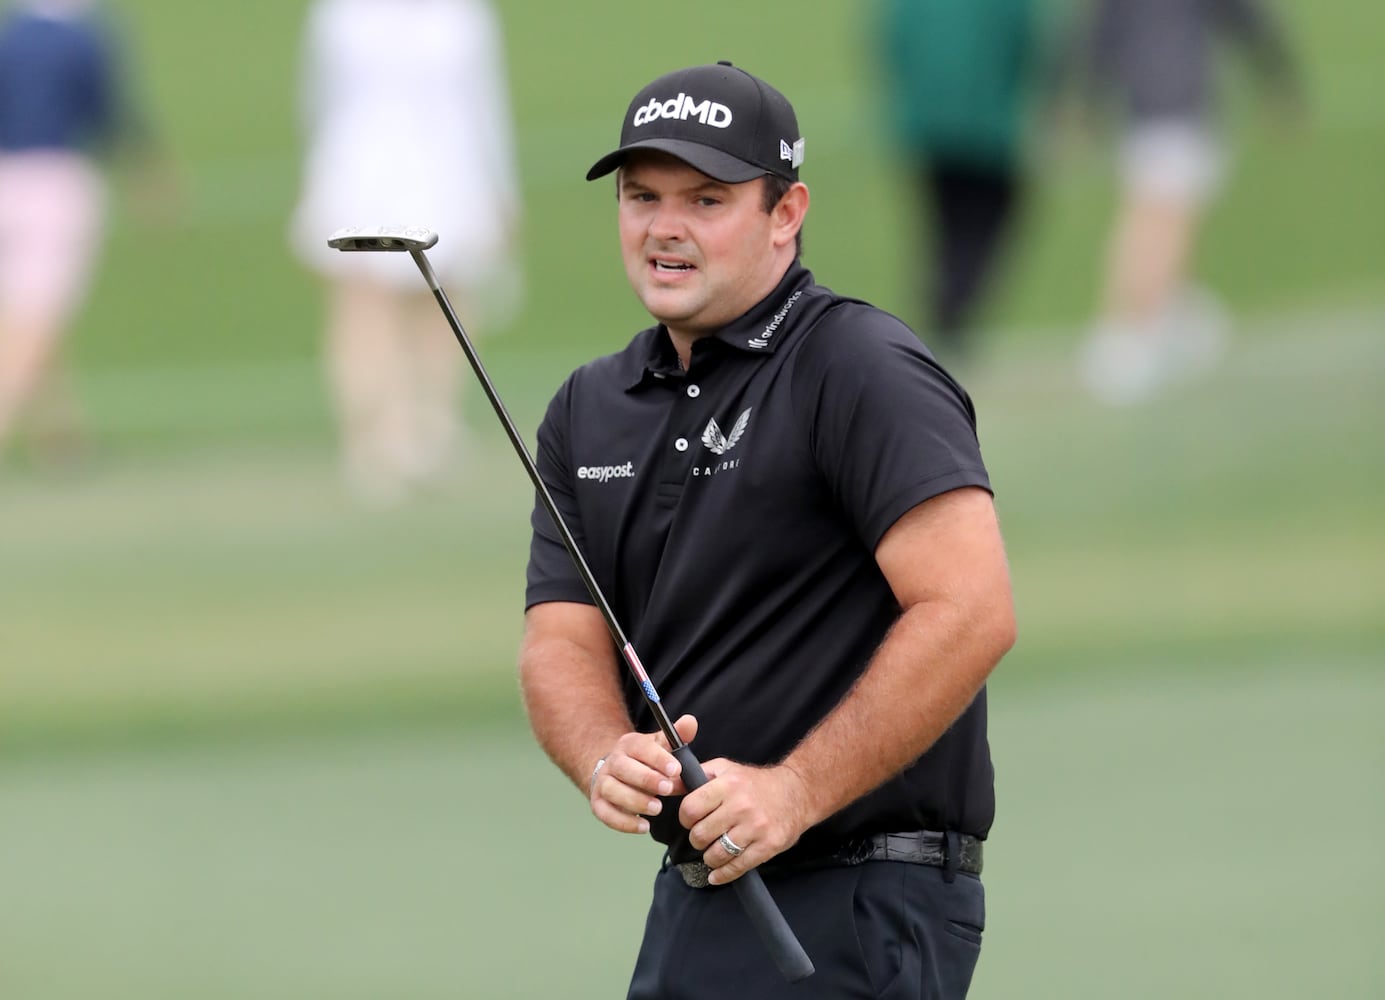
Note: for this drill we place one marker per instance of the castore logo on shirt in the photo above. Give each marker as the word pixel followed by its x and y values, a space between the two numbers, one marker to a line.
pixel 717 442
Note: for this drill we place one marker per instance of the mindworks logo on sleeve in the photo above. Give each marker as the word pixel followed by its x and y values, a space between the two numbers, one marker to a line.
pixel 719 443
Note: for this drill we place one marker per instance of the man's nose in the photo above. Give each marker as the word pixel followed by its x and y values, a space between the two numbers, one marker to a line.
pixel 667 222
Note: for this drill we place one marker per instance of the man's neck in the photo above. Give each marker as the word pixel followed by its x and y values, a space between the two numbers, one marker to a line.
pixel 683 339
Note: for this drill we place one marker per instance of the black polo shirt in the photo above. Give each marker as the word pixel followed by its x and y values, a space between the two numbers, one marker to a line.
pixel 730 514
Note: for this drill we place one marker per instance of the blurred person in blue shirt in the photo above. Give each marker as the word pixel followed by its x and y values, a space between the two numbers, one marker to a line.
pixel 63 103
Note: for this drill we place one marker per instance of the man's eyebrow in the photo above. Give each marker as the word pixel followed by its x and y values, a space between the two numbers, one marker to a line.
pixel 711 184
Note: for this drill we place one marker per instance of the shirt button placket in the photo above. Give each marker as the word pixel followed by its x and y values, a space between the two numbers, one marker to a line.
pixel 676 469
pixel 693 392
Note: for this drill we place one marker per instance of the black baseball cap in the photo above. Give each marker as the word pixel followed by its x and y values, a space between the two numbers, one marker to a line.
pixel 718 119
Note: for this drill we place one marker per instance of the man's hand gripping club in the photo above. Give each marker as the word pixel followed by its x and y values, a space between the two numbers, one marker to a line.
pixel 761 811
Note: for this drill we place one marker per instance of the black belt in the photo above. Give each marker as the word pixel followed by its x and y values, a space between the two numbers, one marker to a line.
pixel 953 852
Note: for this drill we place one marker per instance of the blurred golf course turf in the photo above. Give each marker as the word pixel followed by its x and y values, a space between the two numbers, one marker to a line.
pixel 256 742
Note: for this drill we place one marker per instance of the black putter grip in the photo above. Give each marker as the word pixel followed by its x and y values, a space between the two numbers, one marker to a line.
pixel 774 930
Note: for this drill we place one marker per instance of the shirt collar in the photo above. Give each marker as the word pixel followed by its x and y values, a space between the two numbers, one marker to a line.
pixel 759 330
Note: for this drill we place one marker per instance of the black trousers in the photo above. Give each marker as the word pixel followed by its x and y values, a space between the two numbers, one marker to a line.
pixel 972 213
pixel 883 929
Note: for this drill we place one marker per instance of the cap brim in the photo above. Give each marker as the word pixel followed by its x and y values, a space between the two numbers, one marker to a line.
pixel 712 162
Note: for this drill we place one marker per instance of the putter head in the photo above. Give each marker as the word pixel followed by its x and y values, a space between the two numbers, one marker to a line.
pixel 390 239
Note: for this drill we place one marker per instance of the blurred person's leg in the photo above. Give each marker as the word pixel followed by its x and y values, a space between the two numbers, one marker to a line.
pixel 54 421
pixel 37 400
pixel 973 213
pixel 437 363
pixel 1153 327
pixel 27 349
pixel 368 369
pixel 1151 248
pixel 51 216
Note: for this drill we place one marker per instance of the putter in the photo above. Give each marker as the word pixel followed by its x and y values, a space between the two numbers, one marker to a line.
pixel 788 954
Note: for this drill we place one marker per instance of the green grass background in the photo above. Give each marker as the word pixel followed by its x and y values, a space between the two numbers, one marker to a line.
pixel 257 742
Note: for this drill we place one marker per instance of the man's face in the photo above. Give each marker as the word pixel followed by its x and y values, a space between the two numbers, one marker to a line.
pixel 698 252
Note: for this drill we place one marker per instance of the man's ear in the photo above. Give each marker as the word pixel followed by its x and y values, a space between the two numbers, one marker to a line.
pixel 789 214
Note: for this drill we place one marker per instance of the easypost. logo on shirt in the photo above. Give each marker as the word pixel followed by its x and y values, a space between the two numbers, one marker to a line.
pixel 606 473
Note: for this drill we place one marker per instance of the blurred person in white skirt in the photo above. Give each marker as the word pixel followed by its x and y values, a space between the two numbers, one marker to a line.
pixel 1156 62
pixel 407 110
pixel 64 105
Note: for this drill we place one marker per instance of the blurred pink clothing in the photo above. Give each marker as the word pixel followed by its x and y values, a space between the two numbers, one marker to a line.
pixel 52 219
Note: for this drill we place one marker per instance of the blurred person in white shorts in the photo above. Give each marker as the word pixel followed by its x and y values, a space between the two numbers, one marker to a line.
pixel 407 110
pixel 1155 59
pixel 61 104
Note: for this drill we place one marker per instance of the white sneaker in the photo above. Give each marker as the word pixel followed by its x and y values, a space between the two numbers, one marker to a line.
pixel 1198 332
pixel 1122 366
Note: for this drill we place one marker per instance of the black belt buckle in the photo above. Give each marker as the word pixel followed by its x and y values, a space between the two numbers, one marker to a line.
pixel 694 874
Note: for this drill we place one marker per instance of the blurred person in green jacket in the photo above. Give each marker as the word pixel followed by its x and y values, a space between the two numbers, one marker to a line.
pixel 958 81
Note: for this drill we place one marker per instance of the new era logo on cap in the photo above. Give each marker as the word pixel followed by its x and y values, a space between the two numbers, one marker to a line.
pixel 794 153
pixel 719 119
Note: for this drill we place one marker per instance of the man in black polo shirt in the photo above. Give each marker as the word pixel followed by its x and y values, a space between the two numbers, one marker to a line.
pixel 782 496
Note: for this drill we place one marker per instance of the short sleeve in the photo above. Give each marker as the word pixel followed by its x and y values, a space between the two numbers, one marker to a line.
pixel 551 574
pixel 890 428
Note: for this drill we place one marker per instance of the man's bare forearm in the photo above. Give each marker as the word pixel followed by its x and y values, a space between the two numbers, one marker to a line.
pixel 574 703
pixel 925 674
